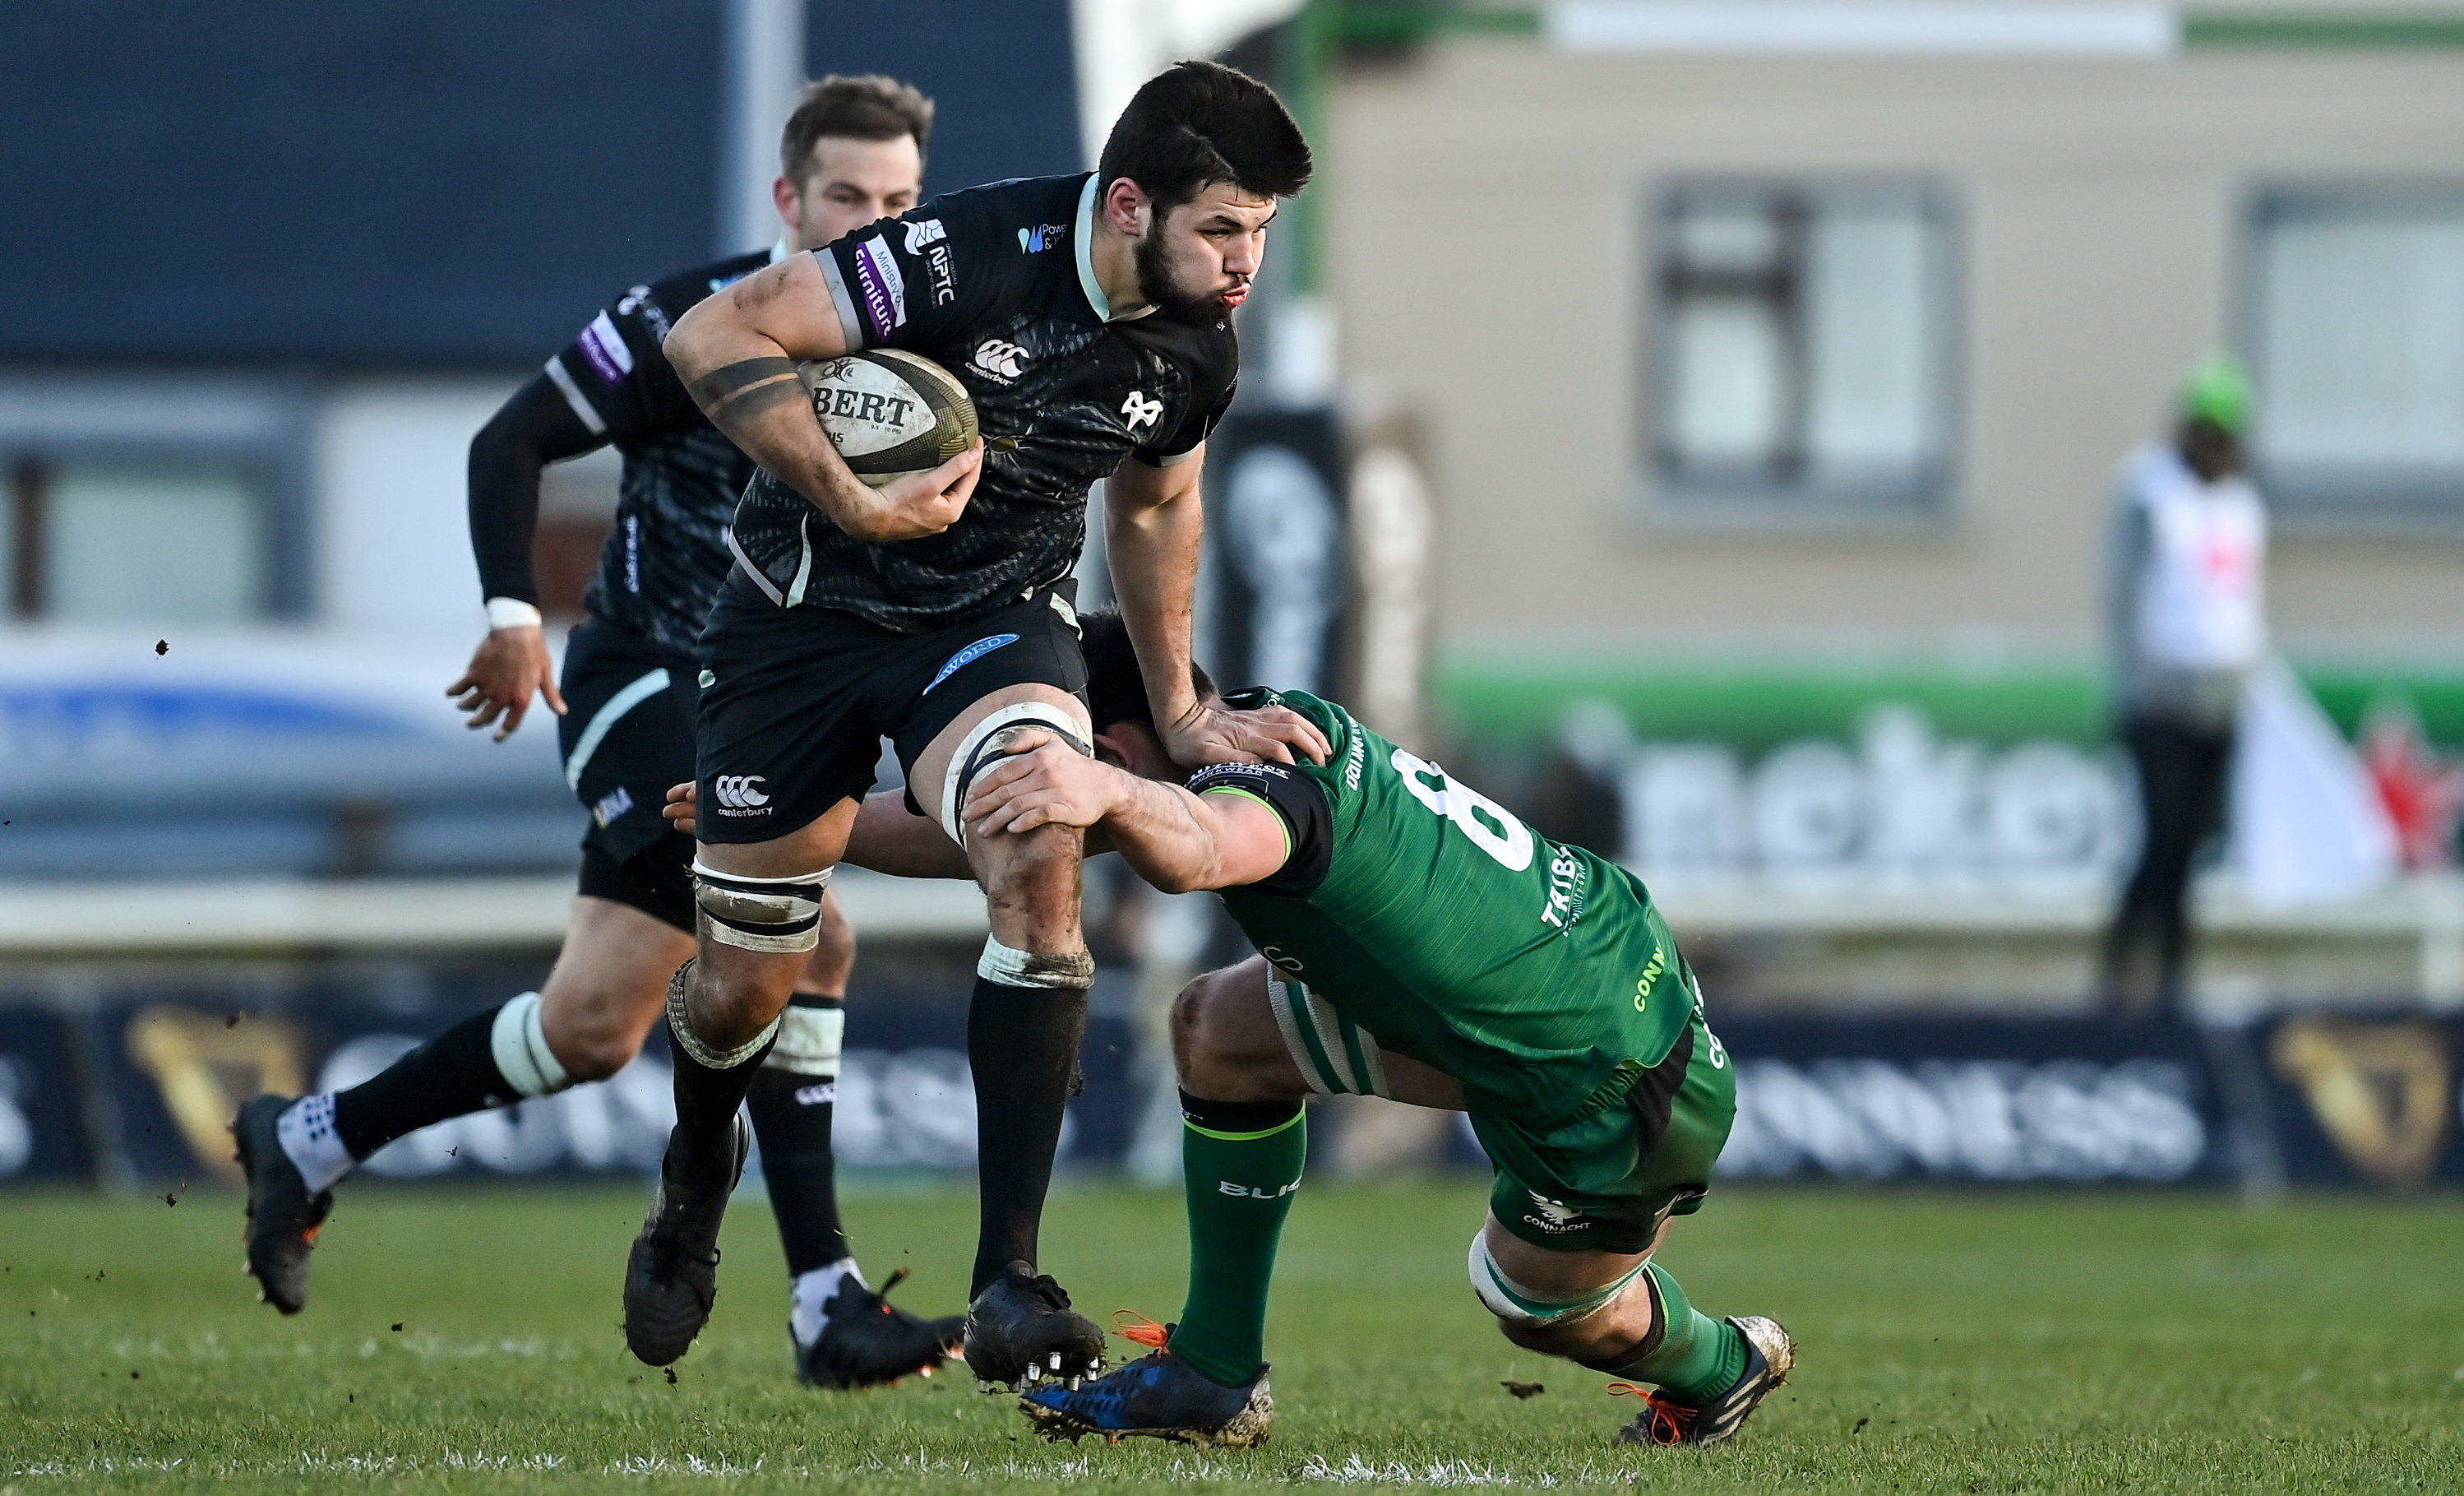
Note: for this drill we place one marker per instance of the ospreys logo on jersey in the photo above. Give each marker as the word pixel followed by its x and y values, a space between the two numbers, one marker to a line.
pixel 1140 411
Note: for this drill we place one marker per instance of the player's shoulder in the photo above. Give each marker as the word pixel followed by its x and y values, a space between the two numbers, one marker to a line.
pixel 658 303
pixel 1037 213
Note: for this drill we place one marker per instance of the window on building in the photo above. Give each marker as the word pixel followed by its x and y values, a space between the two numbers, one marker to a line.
pixel 2356 326
pixel 148 501
pixel 95 542
pixel 1802 347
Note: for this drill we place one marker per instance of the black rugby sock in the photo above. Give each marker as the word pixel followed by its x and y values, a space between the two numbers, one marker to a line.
pixel 791 1116
pixel 451 1074
pixel 708 1096
pixel 1022 1046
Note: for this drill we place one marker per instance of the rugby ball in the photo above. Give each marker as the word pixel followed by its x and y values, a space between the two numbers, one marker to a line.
pixel 888 412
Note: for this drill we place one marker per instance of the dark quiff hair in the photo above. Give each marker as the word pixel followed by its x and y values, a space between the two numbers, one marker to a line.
pixel 1198 123
pixel 1116 692
pixel 869 107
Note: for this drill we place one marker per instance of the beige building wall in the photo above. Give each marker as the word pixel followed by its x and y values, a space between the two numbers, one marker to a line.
pixel 1487 254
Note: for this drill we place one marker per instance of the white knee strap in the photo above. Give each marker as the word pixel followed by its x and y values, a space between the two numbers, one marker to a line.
pixel 1516 1305
pixel 1014 968
pixel 517 1040
pixel 778 915
pixel 995 738
pixel 808 1041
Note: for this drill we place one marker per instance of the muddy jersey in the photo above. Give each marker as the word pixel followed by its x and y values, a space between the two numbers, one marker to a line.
pixel 668 553
pixel 997 285
pixel 1426 913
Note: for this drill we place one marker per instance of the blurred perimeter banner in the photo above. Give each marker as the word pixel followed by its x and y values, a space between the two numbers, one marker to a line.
pixel 135 1089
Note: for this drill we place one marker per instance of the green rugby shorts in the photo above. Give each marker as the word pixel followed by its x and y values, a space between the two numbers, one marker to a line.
pixel 1603 1179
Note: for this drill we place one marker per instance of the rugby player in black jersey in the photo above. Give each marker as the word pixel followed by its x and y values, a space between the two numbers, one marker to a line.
pixel 853 153
pixel 1089 317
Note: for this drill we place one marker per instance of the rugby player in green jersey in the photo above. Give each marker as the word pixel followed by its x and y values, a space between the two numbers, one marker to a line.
pixel 1419 943
pixel 1416 941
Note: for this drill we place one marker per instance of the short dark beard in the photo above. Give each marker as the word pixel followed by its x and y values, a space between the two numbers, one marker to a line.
pixel 1162 290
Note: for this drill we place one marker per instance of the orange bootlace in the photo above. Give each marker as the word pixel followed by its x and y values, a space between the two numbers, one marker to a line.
pixel 1663 1421
pixel 1140 1330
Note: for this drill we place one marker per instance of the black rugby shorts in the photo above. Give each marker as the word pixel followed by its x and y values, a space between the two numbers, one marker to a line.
pixel 796 701
pixel 626 735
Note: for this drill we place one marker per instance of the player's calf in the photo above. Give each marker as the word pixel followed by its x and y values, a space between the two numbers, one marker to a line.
pixel 1701 1377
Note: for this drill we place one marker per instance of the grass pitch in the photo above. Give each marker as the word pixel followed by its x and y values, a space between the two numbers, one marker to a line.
pixel 468 1340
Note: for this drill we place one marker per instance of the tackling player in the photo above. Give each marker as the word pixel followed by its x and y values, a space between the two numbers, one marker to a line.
pixel 1417 942
pixel 1526 982
pixel 1088 316
pixel 853 153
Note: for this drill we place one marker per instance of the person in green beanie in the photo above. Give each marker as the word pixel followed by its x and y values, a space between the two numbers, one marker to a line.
pixel 2187 625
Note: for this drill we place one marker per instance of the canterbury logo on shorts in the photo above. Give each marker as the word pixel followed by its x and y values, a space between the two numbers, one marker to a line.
pixel 740 795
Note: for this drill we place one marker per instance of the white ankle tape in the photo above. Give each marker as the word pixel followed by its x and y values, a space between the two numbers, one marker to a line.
pixel 518 1043
pixel 1517 1304
pixel 776 915
pixel 808 1041
pixel 990 741
pixel 1034 968
pixel 680 1030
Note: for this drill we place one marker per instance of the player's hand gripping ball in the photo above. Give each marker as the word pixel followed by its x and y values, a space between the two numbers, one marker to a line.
pixel 889 413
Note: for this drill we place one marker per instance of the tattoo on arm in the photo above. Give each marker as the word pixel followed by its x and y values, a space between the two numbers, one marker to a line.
pixel 741 390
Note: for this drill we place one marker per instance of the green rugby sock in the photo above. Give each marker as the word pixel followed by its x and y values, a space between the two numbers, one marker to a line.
pixel 1688 1356
pixel 1240 1163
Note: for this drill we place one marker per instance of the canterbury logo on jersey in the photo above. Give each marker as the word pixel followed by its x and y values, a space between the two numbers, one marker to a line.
pixel 740 795
pixel 999 358
pixel 1141 411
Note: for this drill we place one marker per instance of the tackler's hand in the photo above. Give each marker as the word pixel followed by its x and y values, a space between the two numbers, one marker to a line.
pixel 1047 783
pixel 1214 733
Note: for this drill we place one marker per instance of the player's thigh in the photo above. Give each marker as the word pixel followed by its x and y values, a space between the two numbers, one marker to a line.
pixel 1334 1055
pixel 609 984
pixel 784 739
pixel 961 689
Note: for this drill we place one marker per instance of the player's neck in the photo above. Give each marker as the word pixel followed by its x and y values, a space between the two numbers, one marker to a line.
pixel 1114 256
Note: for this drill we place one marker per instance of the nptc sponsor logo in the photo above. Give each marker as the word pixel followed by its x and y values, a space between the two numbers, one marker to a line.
pixel 999 358
pixel 740 795
pixel 1140 411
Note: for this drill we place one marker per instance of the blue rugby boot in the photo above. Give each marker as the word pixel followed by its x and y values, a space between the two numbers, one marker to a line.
pixel 1155 1397
pixel 1770 1356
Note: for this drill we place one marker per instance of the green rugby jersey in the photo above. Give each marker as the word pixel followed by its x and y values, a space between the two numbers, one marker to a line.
pixel 1427 914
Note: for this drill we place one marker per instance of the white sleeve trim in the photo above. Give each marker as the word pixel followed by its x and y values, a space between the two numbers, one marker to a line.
pixel 839 297
pixel 574 397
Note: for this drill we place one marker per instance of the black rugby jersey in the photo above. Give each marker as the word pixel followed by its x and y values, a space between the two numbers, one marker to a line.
pixel 668 553
pixel 995 284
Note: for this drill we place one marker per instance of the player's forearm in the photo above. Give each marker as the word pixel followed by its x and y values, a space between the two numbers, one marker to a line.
pixel 1168 836
pixel 888 838
pixel 1152 545
pixel 533 429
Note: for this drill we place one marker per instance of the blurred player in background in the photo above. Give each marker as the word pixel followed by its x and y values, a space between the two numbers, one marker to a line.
pixel 853 153
pixel 1089 317
pixel 2187 625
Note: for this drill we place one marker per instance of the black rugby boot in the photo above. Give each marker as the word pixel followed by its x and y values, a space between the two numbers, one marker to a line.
pixel 672 1278
pixel 1155 1397
pixel 865 1341
pixel 282 1216
pixel 1020 1329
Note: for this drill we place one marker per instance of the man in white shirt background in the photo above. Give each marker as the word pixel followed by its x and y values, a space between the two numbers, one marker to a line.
pixel 2187 625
